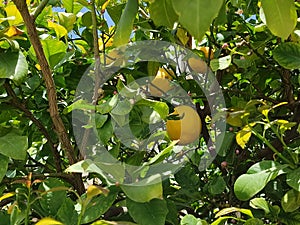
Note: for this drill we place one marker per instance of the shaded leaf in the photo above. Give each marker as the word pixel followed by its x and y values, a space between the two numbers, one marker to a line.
pixel 13 65
pixel 14 145
pixel 291 201
pixel 288 55
pixel 153 212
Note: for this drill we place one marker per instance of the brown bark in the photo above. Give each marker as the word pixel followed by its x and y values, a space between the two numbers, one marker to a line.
pixel 50 87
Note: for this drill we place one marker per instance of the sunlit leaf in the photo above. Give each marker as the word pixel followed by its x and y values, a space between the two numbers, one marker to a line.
pixel 280 16
pixel 13 12
pixel 125 25
pixel 59 29
pixel 200 12
pixel 243 136
pixel 163 13
pixel 48 221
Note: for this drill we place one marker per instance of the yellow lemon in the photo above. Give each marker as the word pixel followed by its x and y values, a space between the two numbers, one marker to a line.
pixel 197 65
pixel 161 83
pixel 188 128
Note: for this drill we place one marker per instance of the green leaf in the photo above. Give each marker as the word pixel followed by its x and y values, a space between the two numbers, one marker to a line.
pixel 125 25
pixel 162 13
pixel 60 31
pixel 288 55
pixel 216 185
pixel 106 132
pixel 280 16
pixel 258 176
pixel 4 165
pixel 201 12
pixel 220 63
pixel 145 190
pixel 191 220
pixel 13 65
pixel 54 50
pixel 67 20
pixel 115 12
pixel 54 195
pixel 153 212
pixel 260 203
pixel 67 213
pixel 293 179
pixel 14 145
pixel 254 221
pixel 99 205
pixel 291 201
pixel 160 107
pixel 68 5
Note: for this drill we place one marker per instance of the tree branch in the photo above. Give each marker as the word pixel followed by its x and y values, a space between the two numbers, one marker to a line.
pixel 17 104
pixel 50 87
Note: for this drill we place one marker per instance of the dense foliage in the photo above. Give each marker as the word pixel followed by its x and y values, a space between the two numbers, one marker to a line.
pixel 46 47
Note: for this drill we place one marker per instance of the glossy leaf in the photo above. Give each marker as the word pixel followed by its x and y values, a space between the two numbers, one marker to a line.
pixel 145 190
pixel 288 55
pixel 201 12
pixel 125 25
pixel 14 145
pixel 148 212
pixel 13 65
pixel 258 176
pixel 162 13
pixel 280 16
pixel 260 203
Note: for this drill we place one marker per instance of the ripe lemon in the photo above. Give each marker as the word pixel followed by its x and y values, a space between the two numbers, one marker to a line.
pixel 197 65
pixel 161 83
pixel 205 50
pixel 188 128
